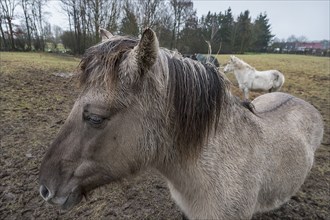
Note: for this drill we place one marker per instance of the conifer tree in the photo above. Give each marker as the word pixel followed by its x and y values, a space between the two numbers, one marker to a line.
pixel 261 33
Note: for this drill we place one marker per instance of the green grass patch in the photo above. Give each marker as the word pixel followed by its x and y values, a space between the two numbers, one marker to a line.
pixel 15 62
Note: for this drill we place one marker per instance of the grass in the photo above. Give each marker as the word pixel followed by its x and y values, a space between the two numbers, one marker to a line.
pixel 288 64
pixel 15 62
pixel 34 104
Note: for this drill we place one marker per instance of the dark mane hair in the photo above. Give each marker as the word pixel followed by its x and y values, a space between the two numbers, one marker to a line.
pixel 197 93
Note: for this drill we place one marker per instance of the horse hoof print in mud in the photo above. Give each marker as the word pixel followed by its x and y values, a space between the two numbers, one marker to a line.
pixel 144 106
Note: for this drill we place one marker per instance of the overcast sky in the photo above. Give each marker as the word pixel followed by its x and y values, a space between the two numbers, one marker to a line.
pixel 309 18
pixel 299 18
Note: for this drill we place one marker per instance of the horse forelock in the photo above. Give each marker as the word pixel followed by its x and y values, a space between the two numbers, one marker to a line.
pixel 100 63
pixel 196 93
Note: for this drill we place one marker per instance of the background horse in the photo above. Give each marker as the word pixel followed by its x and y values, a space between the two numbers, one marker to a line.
pixel 204 58
pixel 207 58
pixel 249 78
pixel 142 106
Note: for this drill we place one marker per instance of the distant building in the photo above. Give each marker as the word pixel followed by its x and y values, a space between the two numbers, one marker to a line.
pixel 319 48
pixel 307 46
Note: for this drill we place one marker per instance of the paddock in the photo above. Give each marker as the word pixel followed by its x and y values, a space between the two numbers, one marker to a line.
pixel 35 103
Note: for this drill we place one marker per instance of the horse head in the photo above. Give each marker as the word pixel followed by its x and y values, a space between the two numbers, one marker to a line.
pixel 99 141
pixel 230 66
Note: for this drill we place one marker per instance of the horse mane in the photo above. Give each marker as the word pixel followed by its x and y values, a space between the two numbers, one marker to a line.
pixel 243 63
pixel 197 93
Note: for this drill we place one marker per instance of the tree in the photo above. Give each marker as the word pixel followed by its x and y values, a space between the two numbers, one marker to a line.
pixel 57 34
pixel 86 17
pixel 302 39
pixel 164 24
pixel 210 28
pixel 25 4
pixel 8 11
pixel 37 17
pixel 129 24
pixel 190 38
pixel 111 15
pixel 243 32
pixel 3 41
pixel 226 31
pixel 148 13
pixel 292 39
pixel 261 33
pixel 68 38
pixel 182 10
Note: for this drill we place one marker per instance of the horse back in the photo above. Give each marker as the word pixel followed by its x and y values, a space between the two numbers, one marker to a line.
pixel 292 131
pixel 282 111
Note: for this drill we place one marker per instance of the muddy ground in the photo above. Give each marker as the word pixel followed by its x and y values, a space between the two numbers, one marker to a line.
pixel 34 104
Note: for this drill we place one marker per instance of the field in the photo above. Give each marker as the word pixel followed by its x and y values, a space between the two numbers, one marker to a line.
pixel 36 95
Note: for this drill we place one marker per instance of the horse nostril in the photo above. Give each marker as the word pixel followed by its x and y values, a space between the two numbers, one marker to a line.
pixel 45 193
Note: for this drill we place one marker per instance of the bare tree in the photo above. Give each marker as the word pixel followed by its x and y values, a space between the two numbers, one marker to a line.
pixel 73 10
pixel 8 9
pixel 104 13
pixel 111 15
pixel 25 4
pixel 129 24
pixel 87 16
pixel 182 10
pixel 37 23
pixel 148 12
pixel 3 35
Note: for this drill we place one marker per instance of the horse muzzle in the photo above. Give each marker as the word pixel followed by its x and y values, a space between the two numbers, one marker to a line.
pixel 66 202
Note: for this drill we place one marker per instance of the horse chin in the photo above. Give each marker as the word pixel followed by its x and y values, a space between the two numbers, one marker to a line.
pixel 73 199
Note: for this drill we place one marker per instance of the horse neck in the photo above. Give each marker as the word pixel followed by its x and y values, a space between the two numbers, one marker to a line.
pixel 242 71
pixel 172 159
pixel 181 173
pixel 157 92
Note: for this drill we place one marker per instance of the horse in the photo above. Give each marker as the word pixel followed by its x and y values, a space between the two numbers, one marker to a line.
pixel 249 78
pixel 206 58
pixel 142 106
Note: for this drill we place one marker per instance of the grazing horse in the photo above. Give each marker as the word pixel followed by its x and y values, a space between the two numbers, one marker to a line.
pixel 143 106
pixel 249 78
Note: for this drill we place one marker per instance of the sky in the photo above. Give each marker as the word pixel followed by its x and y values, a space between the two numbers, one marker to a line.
pixel 308 18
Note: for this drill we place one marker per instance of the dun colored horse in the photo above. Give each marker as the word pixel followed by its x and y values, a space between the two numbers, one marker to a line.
pixel 143 106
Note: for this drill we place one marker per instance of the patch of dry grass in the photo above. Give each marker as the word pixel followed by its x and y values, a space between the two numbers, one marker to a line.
pixel 14 62
pixel 34 104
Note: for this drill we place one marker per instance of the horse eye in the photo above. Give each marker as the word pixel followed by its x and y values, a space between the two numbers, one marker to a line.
pixel 95 119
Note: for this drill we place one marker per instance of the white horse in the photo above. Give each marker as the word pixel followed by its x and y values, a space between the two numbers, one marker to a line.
pixel 249 78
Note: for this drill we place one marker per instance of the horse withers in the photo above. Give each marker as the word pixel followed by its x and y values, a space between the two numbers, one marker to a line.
pixel 249 78
pixel 143 106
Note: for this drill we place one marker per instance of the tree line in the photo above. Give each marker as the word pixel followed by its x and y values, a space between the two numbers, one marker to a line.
pixel 175 22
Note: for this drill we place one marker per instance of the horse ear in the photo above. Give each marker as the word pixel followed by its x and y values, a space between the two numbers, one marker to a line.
pixel 105 35
pixel 147 49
